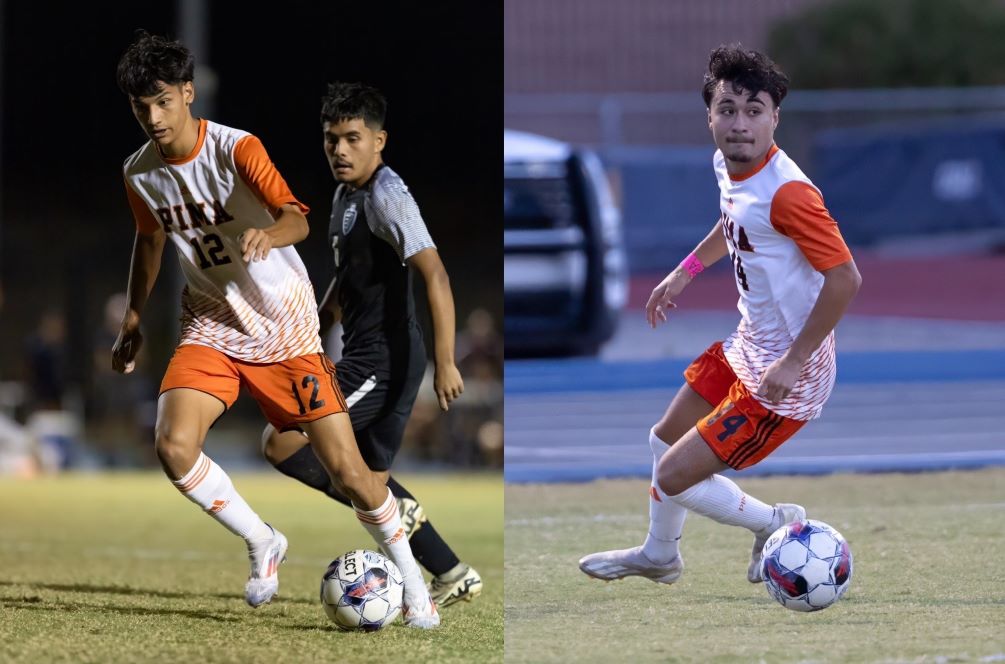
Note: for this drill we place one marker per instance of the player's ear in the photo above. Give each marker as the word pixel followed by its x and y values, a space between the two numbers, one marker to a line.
pixel 188 92
pixel 380 140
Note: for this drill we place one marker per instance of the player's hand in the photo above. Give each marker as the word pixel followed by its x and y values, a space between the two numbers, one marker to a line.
pixel 778 380
pixel 662 299
pixel 126 346
pixel 448 384
pixel 255 244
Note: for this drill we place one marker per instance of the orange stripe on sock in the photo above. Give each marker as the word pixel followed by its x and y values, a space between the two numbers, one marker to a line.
pixel 200 475
pixel 383 516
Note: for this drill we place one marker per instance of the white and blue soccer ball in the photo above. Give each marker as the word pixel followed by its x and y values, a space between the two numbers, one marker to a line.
pixel 362 590
pixel 806 565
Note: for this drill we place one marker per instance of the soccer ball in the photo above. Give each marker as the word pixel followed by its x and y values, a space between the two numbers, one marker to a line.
pixel 806 565
pixel 362 590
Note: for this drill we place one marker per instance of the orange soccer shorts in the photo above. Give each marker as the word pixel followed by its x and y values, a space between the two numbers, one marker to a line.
pixel 301 389
pixel 741 431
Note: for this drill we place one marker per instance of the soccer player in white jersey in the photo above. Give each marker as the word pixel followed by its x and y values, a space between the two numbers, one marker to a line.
pixel 747 395
pixel 248 314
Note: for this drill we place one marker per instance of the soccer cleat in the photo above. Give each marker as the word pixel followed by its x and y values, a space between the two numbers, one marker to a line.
pixel 422 617
pixel 785 513
pixel 460 583
pixel 263 582
pixel 613 565
pixel 412 515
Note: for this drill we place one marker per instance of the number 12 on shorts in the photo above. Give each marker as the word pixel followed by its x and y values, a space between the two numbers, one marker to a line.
pixel 314 403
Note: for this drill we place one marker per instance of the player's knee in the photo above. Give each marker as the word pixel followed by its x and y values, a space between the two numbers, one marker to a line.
pixel 270 444
pixel 176 448
pixel 669 478
pixel 354 483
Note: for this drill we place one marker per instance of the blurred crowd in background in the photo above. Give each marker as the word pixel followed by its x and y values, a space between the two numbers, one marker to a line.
pixel 49 422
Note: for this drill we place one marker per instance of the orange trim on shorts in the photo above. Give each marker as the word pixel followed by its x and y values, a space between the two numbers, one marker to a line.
pixel 330 368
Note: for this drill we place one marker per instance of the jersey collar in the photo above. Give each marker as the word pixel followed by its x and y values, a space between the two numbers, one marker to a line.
pixel 176 161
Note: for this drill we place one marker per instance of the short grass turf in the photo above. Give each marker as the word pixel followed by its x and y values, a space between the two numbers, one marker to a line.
pixel 928 585
pixel 122 568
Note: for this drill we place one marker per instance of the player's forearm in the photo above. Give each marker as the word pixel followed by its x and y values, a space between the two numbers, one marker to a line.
pixel 290 227
pixel 841 283
pixel 713 247
pixel 441 310
pixel 708 251
pixel 143 271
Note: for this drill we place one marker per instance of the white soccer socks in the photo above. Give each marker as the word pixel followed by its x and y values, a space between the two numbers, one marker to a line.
pixel 210 488
pixel 384 525
pixel 666 517
pixel 720 499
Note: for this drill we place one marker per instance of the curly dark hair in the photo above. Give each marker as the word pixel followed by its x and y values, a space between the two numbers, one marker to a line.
pixel 351 101
pixel 152 60
pixel 750 71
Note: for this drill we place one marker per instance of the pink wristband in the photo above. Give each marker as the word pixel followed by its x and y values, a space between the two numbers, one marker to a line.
pixel 692 265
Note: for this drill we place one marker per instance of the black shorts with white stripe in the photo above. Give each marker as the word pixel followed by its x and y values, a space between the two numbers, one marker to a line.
pixel 380 400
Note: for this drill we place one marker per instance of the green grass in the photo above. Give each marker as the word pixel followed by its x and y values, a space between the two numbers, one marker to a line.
pixel 121 568
pixel 928 585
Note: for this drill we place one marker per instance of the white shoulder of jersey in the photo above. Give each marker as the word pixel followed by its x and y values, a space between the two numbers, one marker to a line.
pixel 224 136
pixel 144 159
pixel 147 157
pixel 787 170
pixel 394 216
pixel 388 185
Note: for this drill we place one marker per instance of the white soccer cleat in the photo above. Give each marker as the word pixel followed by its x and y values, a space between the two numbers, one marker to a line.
pixel 785 513
pixel 424 616
pixel 263 582
pixel 460 583
pixel 613 565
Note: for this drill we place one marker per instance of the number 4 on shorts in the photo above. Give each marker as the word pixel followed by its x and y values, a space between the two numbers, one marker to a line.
pixel 730 425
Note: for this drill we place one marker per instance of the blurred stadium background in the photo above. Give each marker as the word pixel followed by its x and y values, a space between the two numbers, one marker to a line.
pixel 66 232
pixel 896 111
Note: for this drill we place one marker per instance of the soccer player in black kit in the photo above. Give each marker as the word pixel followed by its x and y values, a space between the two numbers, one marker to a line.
pixel 377 235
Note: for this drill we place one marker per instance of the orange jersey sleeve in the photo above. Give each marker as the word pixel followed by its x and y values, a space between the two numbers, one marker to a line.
pixel 146 223
pixel 798 212
pixel 259 173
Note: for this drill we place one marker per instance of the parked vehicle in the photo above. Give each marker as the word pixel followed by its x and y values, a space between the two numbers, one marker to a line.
pixel 565 269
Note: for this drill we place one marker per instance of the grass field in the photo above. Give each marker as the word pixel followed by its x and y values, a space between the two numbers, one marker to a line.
pixel 121 568
pixel 928 586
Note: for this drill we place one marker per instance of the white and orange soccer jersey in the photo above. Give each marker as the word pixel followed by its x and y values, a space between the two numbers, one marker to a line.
pixel 780 238
pixel 259 312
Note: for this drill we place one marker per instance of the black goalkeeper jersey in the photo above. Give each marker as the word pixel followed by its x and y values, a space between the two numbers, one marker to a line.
pixel 373 231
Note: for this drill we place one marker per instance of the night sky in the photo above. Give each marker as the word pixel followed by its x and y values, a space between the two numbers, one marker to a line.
pixel 67 232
